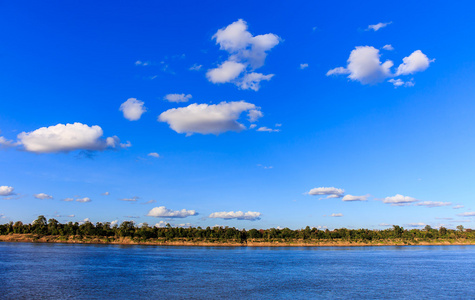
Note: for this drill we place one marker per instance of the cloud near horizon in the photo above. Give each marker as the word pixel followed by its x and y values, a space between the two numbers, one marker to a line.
pixel 238 215
pixel 399 200
pixel 163 212
pixel 209 118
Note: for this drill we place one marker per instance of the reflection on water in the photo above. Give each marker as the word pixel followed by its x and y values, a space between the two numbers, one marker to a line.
pixel 73 271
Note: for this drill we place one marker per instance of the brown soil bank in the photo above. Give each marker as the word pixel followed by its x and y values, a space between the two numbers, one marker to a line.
pixel 33 238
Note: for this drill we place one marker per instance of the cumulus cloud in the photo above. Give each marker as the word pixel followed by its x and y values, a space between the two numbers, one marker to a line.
pixel 388 47
pixel 177 98
pixel 336 215
pixel 355 198
pixel 433 203
pixel 154 154
pixel 416 62
pixel 266 129
pixel 6 190
pixel 163 212
pixel 330 192
pixel 467 214
pixel 399 200
pixel 65 138
pixel 246 53
pixel 83 200
pixel 364 65
pixel 42 196
pixel 239 215
pixel 303 66
pixel 378 26
pixel 226 72
pixel 132 109
pixel 208 119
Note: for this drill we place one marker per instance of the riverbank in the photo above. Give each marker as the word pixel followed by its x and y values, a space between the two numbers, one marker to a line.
pixel 34 238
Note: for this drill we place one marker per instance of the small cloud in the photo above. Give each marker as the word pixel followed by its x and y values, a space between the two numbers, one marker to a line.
pixel 84 200
pixel 68 199
pixel 133 199
pixel 163 212
pixel 105 194
pixel 433 203
pixel 150 202
pixel 6 190
pixel 266 129
pixel 399 200
pixel 336 215
pixel 42 196
pixel 132 109
pixel 238 215
pixel 355 198
pixel 4 143
pixel 378 26
pixel 330 192
pixel 388 47
pixel 265 167
pixel 419 224
pixel 398 82
pixel 195 67
pixel 458 206
pixel 142 63
pixel 278 125
pixel 154 154
pixel 384 224
pixel 467 214
pixel 177 98
pixel 252 126
pixel 416 62
pixel 115 222
pixel 303 66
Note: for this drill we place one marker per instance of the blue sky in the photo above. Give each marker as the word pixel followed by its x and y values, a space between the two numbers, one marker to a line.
pixel 238 114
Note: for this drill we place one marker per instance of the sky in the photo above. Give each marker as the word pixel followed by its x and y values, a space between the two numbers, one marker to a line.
pixel 278 114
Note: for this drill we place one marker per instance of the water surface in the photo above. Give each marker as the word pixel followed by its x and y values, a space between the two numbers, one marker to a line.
pixel 74 271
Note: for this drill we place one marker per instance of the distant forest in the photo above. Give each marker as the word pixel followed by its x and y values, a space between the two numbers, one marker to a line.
pixel 52 227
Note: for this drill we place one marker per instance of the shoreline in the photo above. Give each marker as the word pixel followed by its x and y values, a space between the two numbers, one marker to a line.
pixel 31 238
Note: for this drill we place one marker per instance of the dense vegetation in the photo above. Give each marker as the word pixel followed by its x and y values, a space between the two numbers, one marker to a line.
pixel 42 227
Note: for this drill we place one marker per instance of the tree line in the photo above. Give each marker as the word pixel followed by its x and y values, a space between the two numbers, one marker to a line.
pixel 52 227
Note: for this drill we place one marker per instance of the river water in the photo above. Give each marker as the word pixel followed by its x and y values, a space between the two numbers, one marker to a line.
pixel 74 271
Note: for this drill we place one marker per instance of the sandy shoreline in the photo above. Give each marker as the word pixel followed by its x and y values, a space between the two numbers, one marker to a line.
pixel 31 238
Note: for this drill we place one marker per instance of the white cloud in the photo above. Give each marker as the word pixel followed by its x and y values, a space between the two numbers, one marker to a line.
pixel 154 154
pixel 388 47
pixel 68 199
pixel 252 81
pixel 252 126
pixel 239 215
pixel 141 63
pixel 132 109
pixel 433 203
pixel 115 222
pixel 6 190
pixel 164 212
pixel 266 129
pixel 458 206
pixel 398 82
pixel 355 198
pixel 467 214
pixel 416 62
pixel 207 119
pixel 336 215
pixel 303 66
pixel 384 224
pixel 226 72
pixel 378 26
pixel 64 138
pixel 161 224
pixel 195 67
pixel 84 200
pixel 42 196
pixel 399 200
pixel 246 53
pixel 105 194
pixel 133 199
pixel 331 192
pixel 365 66
pixel 150 202
pixel 4 143
pixel 114 142
pixel 177 98
pixel 254 115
